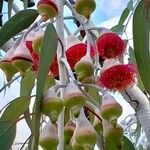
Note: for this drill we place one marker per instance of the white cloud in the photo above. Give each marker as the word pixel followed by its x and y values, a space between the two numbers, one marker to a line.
pixel 110 22
pixel 112 7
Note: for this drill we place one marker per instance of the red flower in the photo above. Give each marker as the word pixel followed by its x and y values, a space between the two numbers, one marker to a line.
pixel 34 55
pixel 110 45
pixel 54 71
pixel 75 53
pixel 118 77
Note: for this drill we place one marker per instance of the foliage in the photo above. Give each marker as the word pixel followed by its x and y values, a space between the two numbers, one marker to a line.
pixel 81 75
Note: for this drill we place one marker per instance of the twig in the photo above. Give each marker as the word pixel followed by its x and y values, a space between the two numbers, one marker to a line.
pixel 10 82
pixel 26 142
pixel 93 113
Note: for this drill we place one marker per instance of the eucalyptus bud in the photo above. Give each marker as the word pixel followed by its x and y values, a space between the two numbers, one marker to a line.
pixel 48 137
pixel 52 105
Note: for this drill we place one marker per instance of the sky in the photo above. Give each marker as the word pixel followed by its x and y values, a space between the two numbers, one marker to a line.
pixel 107 14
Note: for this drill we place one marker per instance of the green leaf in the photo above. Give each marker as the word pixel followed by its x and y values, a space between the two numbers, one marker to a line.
pixel 48 51
pixel 10 2
pixel 130 5
pixel 127 145
pixel 141 28
pixel 117 29
pixel 15 109
pixel 16 24
pixel 131 58
pixel 124 16
pixel 27 84
pixel 25 3
pixel 49 82
pixel 68 147
pixel 7 134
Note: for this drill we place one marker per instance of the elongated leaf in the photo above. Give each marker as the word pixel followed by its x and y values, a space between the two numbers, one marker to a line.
pixel 48 51
pixel 16 24
pixel 117 29
pixel 27 84
pixel 141 28
pixel 124 16
pixel 130 5
pixel 7 134
pixel 127 145
pixel 15 109
pixel 10 2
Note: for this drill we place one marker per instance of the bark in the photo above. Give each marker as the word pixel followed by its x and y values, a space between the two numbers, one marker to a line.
pixel 140 103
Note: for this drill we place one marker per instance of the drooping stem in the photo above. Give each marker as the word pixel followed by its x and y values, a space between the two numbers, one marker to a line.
pixel 140 103
pixel 62 70
pixel 9 83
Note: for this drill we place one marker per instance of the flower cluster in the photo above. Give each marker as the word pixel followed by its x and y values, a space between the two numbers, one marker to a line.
pixel 114 76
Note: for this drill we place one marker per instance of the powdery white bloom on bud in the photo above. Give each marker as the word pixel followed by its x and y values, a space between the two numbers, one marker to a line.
pixel 37 41
pixel 111 110
pixel 109 63
pixel 97 124
pixel 22 59
pixel 84 134
pixel 72 40
pixel 47 9
pixel 113 136
pixel 75 50
pixel 35 56
pixel 117 77
pixel 84 68
pixel 75 145
pixel 52 105
pixel 6 65
pixel 74 99
pixel 68 131
pixel 48 137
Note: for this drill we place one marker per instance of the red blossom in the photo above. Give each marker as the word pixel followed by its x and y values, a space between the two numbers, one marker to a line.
pixel 54 71
pixel 118 77
pixel 110 45
pixel 34 55
pixel 75 53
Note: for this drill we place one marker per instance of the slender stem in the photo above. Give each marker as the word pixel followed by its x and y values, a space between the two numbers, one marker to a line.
pixel 100 119
pixel 10 82
pixel 97 87
pixel 67 30
pixel 76 15
pixel 26 141
pixel 62 70
pixel 89 98
pixel 64 60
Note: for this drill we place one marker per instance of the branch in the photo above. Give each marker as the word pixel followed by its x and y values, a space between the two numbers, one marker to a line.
pixel 62 70
pixel 141 104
